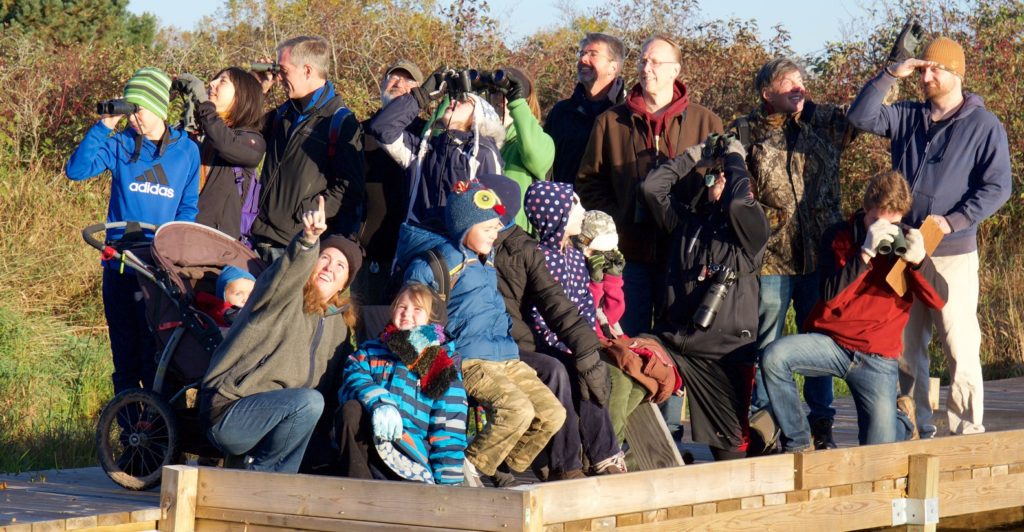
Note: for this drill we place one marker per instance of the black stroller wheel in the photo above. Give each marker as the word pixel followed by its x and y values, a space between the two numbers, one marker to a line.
pixel 136 436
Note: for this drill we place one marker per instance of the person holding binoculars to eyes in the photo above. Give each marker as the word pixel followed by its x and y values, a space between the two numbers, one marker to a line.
pixel 854 331
pixel 154 179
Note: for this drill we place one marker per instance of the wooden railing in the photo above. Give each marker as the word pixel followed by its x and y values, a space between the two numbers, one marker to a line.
pixel 908 484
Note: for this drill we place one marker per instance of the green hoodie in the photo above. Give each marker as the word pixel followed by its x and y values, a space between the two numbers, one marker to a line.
pixel 528 153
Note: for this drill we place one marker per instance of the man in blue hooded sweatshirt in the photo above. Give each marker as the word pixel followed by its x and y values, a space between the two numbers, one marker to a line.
pixel 155 179
pixel 956 157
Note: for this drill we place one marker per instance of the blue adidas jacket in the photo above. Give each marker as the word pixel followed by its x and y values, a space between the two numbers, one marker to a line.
pixel 958 168
pixel 477 318
pixel 433 431
pixel 153 189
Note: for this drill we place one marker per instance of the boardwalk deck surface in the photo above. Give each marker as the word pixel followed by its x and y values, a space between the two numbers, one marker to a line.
pixel 84 498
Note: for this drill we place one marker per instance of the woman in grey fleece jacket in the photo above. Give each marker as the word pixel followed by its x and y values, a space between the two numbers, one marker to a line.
pixel 266 386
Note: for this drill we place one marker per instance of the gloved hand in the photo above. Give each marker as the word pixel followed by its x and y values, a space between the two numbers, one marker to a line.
pixel 878 231
pixel 694 152
pixel 615 262
pixel 915 247
pixel 595 384
pixel 734 145
pixel 596 264
pixel 192 86
pixel 517 87
pixel 387 423
pixel 432 88
pixel 906 42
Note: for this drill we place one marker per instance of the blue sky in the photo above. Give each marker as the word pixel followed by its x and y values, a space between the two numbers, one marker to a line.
pixel 811 23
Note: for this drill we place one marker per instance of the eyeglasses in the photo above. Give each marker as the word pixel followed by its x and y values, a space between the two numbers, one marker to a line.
pixel 655 63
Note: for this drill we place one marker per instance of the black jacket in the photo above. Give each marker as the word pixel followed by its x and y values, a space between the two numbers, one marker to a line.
pixel 569 123
pixel 220 204
pixel 733 233
pixel 297 169
pixel 524 282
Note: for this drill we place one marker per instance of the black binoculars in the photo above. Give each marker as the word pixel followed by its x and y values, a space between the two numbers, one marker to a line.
pixel 116 107
pixel 714 149
pixel 462 82
pixel 259 68
pixel 896 245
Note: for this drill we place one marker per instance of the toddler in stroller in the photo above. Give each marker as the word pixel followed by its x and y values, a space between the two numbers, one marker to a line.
pixel 139 430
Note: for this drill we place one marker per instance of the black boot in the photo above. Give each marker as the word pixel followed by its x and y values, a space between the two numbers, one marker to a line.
pixel 821 434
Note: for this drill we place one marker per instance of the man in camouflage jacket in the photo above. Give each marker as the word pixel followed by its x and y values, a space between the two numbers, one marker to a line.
pixel 794 146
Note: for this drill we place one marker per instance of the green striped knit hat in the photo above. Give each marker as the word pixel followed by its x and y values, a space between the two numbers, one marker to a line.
pixel 150 87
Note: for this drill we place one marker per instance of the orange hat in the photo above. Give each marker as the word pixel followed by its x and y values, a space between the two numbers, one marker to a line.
pixel 947 53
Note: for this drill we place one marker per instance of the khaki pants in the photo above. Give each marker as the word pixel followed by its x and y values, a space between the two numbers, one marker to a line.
pixel 960 335
pixel 525 414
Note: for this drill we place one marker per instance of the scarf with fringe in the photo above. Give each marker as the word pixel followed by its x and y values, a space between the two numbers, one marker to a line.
pixel 421 350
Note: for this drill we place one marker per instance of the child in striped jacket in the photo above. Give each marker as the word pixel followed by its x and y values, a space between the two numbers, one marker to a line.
pixel 403 413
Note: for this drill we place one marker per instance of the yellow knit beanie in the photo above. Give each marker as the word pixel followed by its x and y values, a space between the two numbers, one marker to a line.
pixel 947 53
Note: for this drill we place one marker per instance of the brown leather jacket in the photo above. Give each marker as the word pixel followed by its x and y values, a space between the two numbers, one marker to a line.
pixel 618 159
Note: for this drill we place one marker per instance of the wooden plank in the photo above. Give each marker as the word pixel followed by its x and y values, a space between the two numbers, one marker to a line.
pixel 1017 468
pixel 555 528
pixel 855 512
pixel 406 503
pixel 981 472
pixel 650 443
pixel 113 519
pixel 78 523
pixel 981 495
pixel 677 512
pixel 533 511
pixel 774 499
pixel 20 527
pixel 128 527
pixel 932 236
pixel 48 526
pixel 629 519
pixel 707 508
pixel 654 516
pixel 934 385
pixel 922 483
pixel 819 493
pixel 284 521
pixel 747 503
pixel 889 461
pixel 1000 470
pixel 729 505
pixel 992 520
pixel 636 492
pixel 178 492
pixel 603 523
pixel 798 496
pixel 861 488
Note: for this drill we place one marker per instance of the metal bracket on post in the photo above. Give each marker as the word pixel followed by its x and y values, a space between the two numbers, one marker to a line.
pixel 915 511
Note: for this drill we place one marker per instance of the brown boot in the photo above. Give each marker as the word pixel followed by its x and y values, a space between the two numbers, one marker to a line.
pixel 566 475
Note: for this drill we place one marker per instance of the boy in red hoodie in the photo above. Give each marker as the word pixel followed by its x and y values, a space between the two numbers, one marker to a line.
pixel 855 331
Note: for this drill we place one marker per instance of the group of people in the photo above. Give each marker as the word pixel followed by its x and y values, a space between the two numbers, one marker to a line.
pixel 507 253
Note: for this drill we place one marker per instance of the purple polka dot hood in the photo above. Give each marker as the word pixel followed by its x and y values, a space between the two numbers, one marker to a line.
pixel 547 206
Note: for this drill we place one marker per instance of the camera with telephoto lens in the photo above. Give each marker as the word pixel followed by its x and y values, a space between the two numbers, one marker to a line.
pixel 714 149
pixel 259 68
pixel 896 245
pixel 116 107
pixel 721 282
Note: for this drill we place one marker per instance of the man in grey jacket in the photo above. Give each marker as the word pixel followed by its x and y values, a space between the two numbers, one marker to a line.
pixel 956 157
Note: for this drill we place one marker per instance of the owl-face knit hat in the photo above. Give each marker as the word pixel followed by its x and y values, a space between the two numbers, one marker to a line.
pixel 948 54
pixel 469 204
pixel 150 88
pixel 598 232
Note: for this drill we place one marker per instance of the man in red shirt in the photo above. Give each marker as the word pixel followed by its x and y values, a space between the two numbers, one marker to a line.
pixel 855 331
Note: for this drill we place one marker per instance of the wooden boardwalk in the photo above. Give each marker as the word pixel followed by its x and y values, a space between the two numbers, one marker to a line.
pixel 86 498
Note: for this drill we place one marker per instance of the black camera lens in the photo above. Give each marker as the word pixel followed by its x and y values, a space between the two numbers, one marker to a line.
pixel 713 299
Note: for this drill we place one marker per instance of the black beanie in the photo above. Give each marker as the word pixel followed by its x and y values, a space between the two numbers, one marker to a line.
pixel 350 249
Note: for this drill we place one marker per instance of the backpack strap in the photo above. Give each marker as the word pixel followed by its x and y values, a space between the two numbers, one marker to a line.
pixel 743 131
pixel 339 116
pixel 445 277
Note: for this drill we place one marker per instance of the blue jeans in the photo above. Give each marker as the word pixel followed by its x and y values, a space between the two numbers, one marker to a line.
pixel 872 380
pixel 637 287
pixel 272 428
pixel 776 293
pixel 131 344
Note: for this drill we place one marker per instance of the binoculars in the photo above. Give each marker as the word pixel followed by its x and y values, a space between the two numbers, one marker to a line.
pixel 714 149
pixel 259 68
pixel 896 245
pixel 116 107
pixel 462 82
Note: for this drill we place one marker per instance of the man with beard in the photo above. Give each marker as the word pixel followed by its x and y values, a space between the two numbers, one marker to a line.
pixel 655 123
pixel 387 190
pixel 955 155
pixel 600 86
pixel 794 146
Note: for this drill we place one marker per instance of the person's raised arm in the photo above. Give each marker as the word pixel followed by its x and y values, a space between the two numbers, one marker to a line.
pixel 869 113
pixel 657 186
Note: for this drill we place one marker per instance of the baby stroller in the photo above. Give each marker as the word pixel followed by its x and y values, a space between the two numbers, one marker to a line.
pixel 140 431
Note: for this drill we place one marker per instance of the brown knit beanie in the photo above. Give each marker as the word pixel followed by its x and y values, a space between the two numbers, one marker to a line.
pixel 351 250
pixel 948 54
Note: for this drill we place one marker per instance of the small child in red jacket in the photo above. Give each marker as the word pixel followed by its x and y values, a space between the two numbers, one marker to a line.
pixel 233 288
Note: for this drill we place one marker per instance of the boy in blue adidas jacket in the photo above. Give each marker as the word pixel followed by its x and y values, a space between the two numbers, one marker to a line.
pixel 408 382
pixel 155 179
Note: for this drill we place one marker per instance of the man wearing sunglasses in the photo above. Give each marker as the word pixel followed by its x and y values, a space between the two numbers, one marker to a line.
pixel 956 157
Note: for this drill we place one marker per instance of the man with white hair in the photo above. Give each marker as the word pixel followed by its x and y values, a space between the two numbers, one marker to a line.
pixel 314 148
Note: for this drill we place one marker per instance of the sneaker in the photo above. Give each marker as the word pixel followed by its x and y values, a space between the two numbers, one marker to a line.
pixel 566 475
pixel 762 424
pixel 613 465
pixel 472 474
pixel 821 434
pixel 905 404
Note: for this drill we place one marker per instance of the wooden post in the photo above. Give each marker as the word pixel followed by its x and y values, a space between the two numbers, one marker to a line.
pixel 533 510
pixel 922 485
pixel 933 392
pixel 650 443
pixel 179 487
